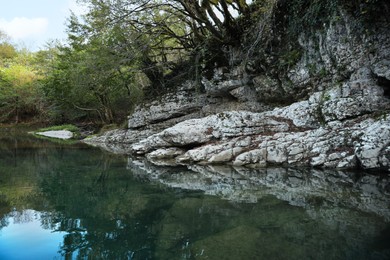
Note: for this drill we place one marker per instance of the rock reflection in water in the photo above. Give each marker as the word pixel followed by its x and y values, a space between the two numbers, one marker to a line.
pixel 329 196
pixel 344 202
pixel 306 188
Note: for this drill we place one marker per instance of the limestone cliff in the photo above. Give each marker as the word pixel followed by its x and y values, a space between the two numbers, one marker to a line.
pixel 324 102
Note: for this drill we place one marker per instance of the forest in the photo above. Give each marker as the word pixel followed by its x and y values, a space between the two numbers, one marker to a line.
pixel 122 52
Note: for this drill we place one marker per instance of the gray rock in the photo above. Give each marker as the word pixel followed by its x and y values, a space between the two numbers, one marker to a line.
pixel 59 134
pixel 164 157
pixel 355 98
pixel 373 144
pixel 382 69
pixel 268 89
pixel 224 81
pixel 337 117
pixel 172 105
pixel 288 135
pixel 244 94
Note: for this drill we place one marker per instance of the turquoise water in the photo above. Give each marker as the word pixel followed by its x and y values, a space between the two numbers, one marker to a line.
pixel 71 201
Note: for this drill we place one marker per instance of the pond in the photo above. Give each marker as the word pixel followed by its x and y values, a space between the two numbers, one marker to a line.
pixel 72 201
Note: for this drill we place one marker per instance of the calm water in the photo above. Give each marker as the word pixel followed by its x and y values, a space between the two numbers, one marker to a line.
pixel 71 201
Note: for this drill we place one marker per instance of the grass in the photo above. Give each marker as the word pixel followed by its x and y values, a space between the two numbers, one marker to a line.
pixel 72 128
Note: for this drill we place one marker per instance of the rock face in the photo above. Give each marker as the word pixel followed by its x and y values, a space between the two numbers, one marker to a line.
pixel 306 133
pixel 338 114
pixel 291 135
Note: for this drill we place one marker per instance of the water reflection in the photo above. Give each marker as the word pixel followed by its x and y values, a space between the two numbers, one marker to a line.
pixel 355 205
pixel 306 188
pixel 26 230
pixel 86 204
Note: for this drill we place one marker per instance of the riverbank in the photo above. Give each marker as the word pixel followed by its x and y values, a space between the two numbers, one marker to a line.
pixel 351 135
pixel 330 108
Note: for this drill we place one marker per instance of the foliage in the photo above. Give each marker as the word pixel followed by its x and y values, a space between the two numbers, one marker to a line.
pixel 308 16
pixel 289 58
pixel 20 92
pixel 116 54
pixel 161 36
pixel 107 128
pixel 305 15
pixel 368 11
pixel 89 84
pixel 7 50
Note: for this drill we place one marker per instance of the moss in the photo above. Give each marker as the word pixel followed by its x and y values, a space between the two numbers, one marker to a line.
pixel 69 127
pixel 289 58
pixel 309 16
pixel 312 68
pixel 325 97
pixel 320 116
pixel 322 72
pixel 380 115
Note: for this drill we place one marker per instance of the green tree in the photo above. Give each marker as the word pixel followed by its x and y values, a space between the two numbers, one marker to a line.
pixel 88 81
pixel 20 95
pixel 7 50
pixel 145 34
pixel 122 47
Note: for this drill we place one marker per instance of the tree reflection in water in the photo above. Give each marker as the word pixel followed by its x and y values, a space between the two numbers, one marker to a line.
pixel 106 211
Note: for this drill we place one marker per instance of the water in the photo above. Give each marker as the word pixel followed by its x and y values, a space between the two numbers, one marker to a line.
pixel 71 201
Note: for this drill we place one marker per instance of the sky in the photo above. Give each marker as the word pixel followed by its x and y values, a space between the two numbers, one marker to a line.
pixel 33 23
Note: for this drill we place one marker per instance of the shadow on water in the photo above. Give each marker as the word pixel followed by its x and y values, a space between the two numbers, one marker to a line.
pixel 80 202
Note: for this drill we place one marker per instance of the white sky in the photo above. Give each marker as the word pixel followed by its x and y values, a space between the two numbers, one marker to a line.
pixel 32 23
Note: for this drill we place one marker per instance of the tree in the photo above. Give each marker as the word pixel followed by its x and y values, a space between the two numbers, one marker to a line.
pixel 146 33
pixel 7 50
pixel 159 36
pixel 120 41
pixel 19 91
pixel 89 81
pixel 214 17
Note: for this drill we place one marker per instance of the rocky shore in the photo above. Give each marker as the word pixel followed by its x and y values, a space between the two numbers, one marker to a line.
pixel 343 120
